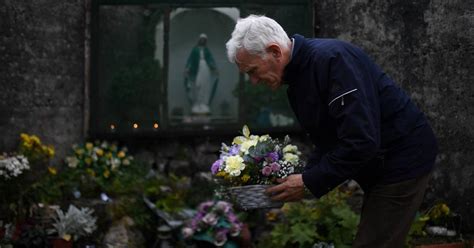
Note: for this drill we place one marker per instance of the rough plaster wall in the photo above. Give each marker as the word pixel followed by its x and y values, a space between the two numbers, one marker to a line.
pixel 427 47
pixel 41 71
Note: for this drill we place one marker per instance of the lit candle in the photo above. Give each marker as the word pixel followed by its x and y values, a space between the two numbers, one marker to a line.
pixel 112 127
pixel 155 125
pixel 135 125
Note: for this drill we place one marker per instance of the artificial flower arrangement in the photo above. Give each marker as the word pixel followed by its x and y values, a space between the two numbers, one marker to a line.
pixel 214 222
pixel 99 159
pixel 255 160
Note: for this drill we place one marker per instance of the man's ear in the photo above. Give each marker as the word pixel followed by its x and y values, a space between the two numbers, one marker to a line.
pixel 274 50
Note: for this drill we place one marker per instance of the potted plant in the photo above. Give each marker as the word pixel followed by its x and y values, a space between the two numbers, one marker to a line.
pixel 72 225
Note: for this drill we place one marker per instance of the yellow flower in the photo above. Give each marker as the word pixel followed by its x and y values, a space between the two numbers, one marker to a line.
pixel 271 215
pixel 52 170
pixel 25 138
pixel 99 152
pixel 121 154
pixel 89 146
pixel 108 155
pixel 88 161
pixel 51 151
pixel 245 178
pixel 79 151
pixel 35 139
pixel 90 172
pixel 67 237
pixel 106 173
pixel 445 209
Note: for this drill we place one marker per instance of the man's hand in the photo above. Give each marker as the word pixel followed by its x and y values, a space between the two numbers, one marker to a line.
pixel 290 188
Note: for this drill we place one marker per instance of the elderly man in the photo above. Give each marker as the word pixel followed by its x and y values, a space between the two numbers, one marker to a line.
pixel 363 126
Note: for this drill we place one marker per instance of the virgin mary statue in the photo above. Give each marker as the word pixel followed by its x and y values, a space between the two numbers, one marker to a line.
pixel 200 77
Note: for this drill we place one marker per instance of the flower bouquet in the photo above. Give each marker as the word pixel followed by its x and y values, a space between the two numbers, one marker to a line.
pixel 215 222
pixel 251 164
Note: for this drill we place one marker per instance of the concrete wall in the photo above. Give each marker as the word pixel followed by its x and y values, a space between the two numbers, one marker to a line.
pixel 427 47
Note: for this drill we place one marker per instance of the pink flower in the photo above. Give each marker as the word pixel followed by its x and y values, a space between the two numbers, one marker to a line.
pixel 275 167
pixel 267 170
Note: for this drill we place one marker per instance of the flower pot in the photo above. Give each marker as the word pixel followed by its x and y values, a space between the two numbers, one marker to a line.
pixel 61 243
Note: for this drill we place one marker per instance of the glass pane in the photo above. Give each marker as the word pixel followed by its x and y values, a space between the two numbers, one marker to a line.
pixel 129 69
pixel 201 80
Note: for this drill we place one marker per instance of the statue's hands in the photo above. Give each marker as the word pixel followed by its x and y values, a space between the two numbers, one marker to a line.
pixel 290 189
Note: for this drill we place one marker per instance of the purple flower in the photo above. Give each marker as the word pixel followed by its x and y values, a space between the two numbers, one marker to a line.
pixel 275 166
pixel 272 157
pixel 216 166
pixel 232 218
pixel 267 170
pixel 234 150
pixel 204 207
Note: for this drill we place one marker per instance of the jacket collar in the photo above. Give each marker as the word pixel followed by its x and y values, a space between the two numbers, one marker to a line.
pixel 292 66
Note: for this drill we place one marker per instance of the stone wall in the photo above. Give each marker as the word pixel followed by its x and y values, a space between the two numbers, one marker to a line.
pixel 427 47
pixel 424 45
pixel 42 71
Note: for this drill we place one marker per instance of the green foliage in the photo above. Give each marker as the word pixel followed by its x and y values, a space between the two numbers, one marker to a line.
pixel 328 219
pixel 168 193
pixel 260 100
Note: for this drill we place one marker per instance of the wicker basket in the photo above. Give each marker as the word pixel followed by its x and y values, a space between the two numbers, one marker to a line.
pixel 253 197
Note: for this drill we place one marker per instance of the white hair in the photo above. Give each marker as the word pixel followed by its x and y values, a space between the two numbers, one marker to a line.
pixel 254 33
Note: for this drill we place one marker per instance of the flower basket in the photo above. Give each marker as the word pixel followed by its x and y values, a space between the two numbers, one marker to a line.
pixel 253 197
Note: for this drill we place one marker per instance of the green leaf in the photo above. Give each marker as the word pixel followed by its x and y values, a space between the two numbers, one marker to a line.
pixel 303 234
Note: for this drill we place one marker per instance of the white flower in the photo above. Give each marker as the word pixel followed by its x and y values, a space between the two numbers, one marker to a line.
pixel 187 232
pixel 210 219
pixel 245 146
pixel 13 166
pixel 290 148
pixel 72 162
pixel 234 165
pixel 290 157
pixel 264 137
pixel 115 163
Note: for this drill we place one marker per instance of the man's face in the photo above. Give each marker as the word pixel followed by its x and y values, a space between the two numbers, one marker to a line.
pixel 266 70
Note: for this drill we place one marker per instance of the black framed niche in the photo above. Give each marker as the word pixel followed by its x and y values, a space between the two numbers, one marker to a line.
pixel 160 69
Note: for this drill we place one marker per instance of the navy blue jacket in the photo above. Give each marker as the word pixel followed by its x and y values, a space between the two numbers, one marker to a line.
pixel 363 126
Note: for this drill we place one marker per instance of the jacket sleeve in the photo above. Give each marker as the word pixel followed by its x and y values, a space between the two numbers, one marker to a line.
pixel 353 108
